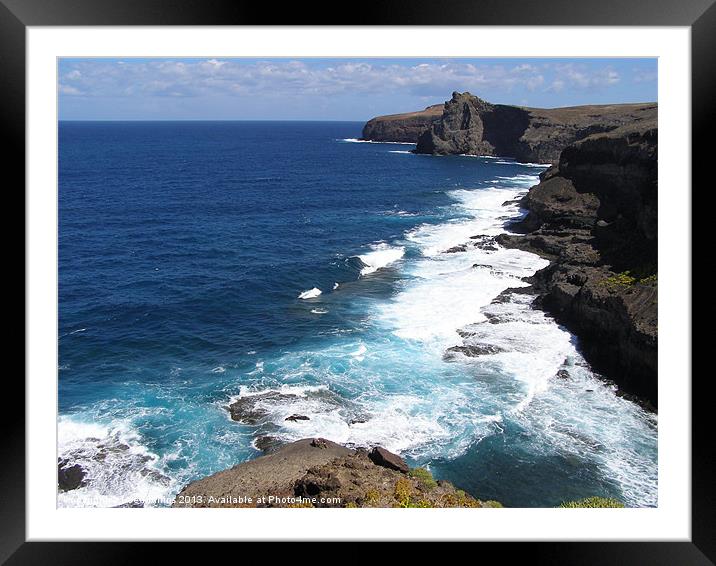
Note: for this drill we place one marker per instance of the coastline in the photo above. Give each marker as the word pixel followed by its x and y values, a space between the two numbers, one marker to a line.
pixel 595 222
pixel 474 267
pixel 293 483
pixel 593 216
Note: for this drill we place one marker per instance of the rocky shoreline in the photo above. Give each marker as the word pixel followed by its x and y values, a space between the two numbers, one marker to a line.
pixel 593 215
pixel 468 125
pixel 405 128
pixel 315 472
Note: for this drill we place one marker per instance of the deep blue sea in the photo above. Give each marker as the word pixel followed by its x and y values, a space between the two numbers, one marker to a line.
pixel 191 257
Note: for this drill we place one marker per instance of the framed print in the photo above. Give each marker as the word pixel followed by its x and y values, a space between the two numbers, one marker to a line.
pixel 413 277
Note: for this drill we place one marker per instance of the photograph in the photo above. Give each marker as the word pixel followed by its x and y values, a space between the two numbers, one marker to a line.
pixel 357 282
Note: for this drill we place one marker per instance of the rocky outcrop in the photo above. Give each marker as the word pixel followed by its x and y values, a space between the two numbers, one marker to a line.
pixel 401 127
pixel 594 215
pixel 251 409
pixel 469 125
pixel 70 477
pixel 382 457
pixel 320 473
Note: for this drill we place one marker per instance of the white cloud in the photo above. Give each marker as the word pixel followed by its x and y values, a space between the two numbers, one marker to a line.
pixel 236 77
pixel 581 77
pixel 69 89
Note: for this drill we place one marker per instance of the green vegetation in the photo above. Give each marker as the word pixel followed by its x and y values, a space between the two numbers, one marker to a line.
pixel 619 281
pixel 424 477
pixel 372 497
pixel 492 504
pixel 626 279
pixel 402 492
pixel 460 499
pixel 593 502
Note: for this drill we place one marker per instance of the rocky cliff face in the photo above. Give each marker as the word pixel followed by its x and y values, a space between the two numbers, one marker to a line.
pixel 594 215
pixel 469 125
pixel 401 127
pixel 315 472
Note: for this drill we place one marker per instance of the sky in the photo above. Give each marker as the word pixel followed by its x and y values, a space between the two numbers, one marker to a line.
pixel 334 89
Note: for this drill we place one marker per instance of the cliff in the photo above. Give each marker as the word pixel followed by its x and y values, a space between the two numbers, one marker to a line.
pixel 469 125
pixel 315 472
pixel 401 127
pixel 594 215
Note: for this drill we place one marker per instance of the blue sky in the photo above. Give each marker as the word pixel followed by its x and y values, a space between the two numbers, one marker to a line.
pixel 334 89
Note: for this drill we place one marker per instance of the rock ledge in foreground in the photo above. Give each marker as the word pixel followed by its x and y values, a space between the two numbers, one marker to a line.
pixel 315 472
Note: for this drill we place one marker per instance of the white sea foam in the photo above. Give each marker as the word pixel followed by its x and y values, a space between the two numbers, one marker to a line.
pixel 401 151
pixel 359 354
pixel 537 165
pixel 335 286
pixel 356 140
pixel 286 389
pixel 319 311
pixel 403 423
pixel 397 390
pixel 310 294
pixel 119 468
pixel 382 255
pixel 449 291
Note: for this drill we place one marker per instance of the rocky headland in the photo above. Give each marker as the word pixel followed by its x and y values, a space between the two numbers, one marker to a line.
pixel 315 472
pixel 468 125
pixel 405 127
pixel 594 216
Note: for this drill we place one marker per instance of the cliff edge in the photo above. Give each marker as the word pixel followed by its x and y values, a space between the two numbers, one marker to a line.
pixel 594 215
pixel 405 127
pixel 468 125
pixel 315 472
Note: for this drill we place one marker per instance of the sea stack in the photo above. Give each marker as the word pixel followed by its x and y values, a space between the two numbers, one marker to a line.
pixel 472 126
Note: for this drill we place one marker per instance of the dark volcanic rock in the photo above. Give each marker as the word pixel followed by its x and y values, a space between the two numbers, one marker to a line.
pixel 470 125
pixel 382 457
pixel 70 477
pixel 563 374
pixel 267 443
pixel 401 127
pixel 318 481
pixel 295 418
pixel 474 350
pixel 250 409
pixel 456 249
pixel 595 217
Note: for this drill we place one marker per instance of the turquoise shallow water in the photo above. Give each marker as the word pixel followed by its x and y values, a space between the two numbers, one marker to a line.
pixel 184 249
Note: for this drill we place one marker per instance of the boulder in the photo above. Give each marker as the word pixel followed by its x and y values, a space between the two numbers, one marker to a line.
pixel 382 457
pixel 294 418
pixel 250 409
pixel 70 477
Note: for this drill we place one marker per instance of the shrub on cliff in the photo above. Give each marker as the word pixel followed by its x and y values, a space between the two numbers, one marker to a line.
pixel 593 502
pixel 424 477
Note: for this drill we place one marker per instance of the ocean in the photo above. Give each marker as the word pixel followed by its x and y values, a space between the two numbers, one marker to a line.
pixel 201 262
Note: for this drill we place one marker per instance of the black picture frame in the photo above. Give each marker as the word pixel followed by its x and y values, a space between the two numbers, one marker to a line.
pixel 699 15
